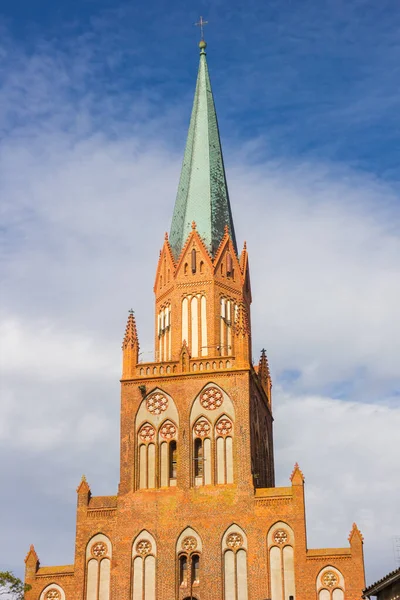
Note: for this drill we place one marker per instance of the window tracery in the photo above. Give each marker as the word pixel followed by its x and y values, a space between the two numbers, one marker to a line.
pixel 144 556
pixel 212 434
pixel 330 584
pixel 52 592
pixel 157 441
pixel 280 542
pixel 98 565
pixel 188 550
pixel 234 551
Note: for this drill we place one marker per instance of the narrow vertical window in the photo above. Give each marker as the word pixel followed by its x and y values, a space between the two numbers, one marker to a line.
pixel 144 554
pixel 281 561
pixel 183 568
pixel 193 260
pixel 234 548
pixel 172 460
pixel 198 458
pixel 98 555
pixel 195 326
pixel 195 569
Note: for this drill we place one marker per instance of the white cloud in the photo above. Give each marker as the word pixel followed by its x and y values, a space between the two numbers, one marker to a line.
pixel 84 215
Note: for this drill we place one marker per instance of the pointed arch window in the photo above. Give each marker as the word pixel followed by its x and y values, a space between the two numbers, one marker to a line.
pixel 188 549
pixel 144 557
pixel 234 551
pixel 212 437
pixel 98 563
pixel 157 442
pixel 330 584
pixel 224 450
pixel 280 541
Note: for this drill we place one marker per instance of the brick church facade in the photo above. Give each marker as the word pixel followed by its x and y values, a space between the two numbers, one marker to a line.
pixel 197 514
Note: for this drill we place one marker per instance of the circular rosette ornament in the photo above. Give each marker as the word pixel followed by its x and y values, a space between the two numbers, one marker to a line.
pixel 211 398
pixel 189 543
pixel 143 547
pixel 156 403
pixel 53 594
pixel 280 536
pixel 99 549
pixel 224 427
pixel 234 540
pixel 168 431
pixel 329 578
pixel 202 428
pixel 147 433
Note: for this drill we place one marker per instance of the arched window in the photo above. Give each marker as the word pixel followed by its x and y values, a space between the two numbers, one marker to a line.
pixel 157 426
pixel 223 436
pixel 201 267
pixel 280 541
pixel 212 435
pixel 98 564
pixel 144 556
pixel 228 312
pixel 164 333
pixel 234 552
pixel 188 549
pixel 330 584
pixel 52 592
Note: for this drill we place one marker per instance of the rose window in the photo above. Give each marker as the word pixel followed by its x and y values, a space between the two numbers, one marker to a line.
pixel 280 536
pixel 234 540
pixel 189 543
pixel 53 594
pixel 202 428
pixel 143 547
pixel 168 431
pixel 330 579
pixel 156 403
pixel 147 433
pixel 224 426
pixel 211 398
pixel 99 549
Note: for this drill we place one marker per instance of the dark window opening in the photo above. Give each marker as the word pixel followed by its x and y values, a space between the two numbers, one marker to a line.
pixel 195 569
pixel 183 567
pixel 198 458
pixel 172 460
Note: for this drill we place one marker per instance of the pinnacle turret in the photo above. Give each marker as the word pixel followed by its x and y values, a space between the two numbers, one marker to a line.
pixel 203 192
pixel 130 347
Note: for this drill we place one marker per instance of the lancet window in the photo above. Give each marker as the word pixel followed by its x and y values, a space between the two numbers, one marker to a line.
pixel 144 557
pixel 330 584
pixel 229 312
pixel 212 424
pixel 194 324
pixel 280 541
pixel 188 551
pixel 98 563
pixel 157 426
pixel 234 552
pixel 164 333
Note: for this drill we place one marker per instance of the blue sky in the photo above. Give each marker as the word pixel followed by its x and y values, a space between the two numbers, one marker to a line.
pixel 95 100
pixel 309 78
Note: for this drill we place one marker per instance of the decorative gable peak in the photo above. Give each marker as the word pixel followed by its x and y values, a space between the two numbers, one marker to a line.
pixel 83 487
pixel 131 336
pixel 297 477
pixel 32 556
pixel 355 534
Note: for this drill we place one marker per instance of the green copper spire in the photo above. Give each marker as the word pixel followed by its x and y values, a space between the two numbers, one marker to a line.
pixel 203 193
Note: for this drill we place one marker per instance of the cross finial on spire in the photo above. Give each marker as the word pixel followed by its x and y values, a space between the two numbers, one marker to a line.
pixel 201 24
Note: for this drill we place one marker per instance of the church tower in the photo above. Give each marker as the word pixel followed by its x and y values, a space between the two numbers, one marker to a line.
pixel 197 515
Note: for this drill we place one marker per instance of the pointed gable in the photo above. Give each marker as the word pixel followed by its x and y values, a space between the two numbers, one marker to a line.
pixel 203 192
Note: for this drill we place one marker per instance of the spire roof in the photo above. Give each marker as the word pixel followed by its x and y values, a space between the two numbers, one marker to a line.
pixel 203 192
